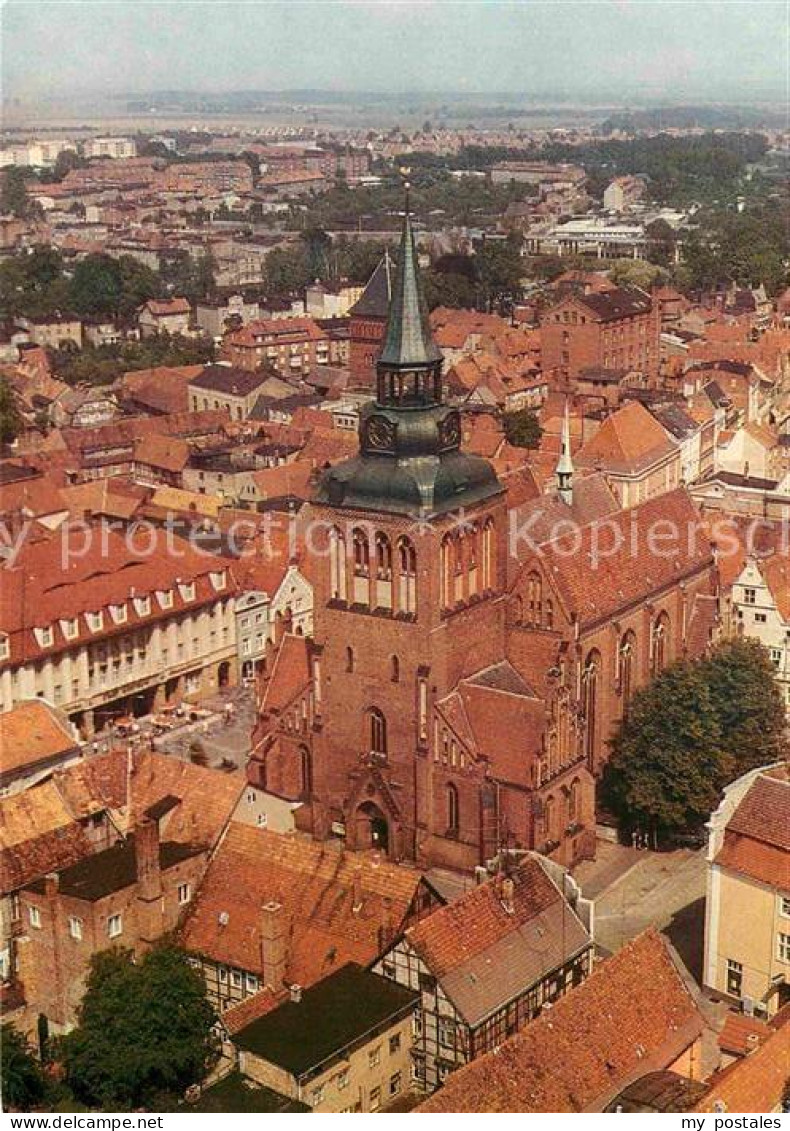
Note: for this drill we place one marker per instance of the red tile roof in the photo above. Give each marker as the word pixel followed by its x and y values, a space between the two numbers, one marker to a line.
pixel 633 559
pixel 757 1082
pixel 314 882
pixel 33 732
pixel 633 1015
pixel 741 1035
pixel 629 440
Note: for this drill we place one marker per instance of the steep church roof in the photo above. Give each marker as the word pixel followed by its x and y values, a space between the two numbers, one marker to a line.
pixel 374 302
pixel 408 339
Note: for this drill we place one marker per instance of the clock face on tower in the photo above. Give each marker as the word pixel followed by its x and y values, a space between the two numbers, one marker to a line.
pixel 380 434
pixel 450 431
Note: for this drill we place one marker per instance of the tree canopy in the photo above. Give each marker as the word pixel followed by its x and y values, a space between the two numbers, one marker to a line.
pixel 522 428
pixel 23 1081
pixel 145 1027
pixel 693 729
pixel 10 416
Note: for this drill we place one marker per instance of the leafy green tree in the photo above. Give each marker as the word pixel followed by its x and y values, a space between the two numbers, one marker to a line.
pixel 145 1027
pixel 13 195
pixel 522 428
pixel 636 273
pixel 67 160
pixel 96 287
pixel 10 417
pixel 668 766
pixel 747 702
pixel 23 1082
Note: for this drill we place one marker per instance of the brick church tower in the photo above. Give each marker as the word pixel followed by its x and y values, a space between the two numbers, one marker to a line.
pixel 409 597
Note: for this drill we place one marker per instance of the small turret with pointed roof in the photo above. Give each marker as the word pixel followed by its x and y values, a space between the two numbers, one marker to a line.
pixel 565 462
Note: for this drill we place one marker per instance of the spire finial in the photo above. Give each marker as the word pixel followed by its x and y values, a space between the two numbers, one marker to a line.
pixel 405 172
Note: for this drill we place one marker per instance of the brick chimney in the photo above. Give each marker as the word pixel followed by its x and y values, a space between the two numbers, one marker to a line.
pixel 150 910
pixel 274 944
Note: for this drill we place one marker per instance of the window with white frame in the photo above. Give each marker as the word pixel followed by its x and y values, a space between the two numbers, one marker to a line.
pixel 343 1079
pixel 4 647
pixel 95 621
pixel 44 636
pixel 70 628
pixel 35 917
pixel 184 893
pixel 165 598
pixel 118 613
pixel 252 983
pixel 783 947
pixel 375 1099
pixel 75 927
pixel 237 978
pixel 374 1056
pixel 187 590
pixel 784 906
pixel 114 926
pixel 142 606
pixel 749 596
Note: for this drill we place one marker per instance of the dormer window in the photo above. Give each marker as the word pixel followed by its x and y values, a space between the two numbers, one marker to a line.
pixel 142 606
pixel 118 613
pixel 165 598
pixel 70 628
pixel 44 636
pixel 219 579
pixel 187 590
pixel 95 621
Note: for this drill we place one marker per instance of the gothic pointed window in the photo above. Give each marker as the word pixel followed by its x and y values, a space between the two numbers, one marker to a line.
pixel 307 771
pixel 573 802
pixel 337 565
pixel 459 554
pixel 407 576
pixel 625 668
pixel 447 566
pixel 453 815
pixel 534 599
pixel 549 613
pixel 658 644
pixel 472 568
pixel 488 563
pixel 361 568
pixel 590 675
pixel 383 571
pixel 395 669
pixel 349 659
pixel 378 732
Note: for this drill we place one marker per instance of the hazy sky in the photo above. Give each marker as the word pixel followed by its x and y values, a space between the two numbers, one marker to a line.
pixel 728 49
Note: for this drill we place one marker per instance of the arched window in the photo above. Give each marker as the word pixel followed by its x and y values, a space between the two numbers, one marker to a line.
pixel 407 576
pixel 395 669
pixel 378 732
pixel 659 642
pixel 488 562
pixel 361 568
pixel 459 554
pixel 534 599
pixel 549 613
pixel 307 771
pixel 349 659
pixel 383 571
pixel 590 675
pixel 337 565
pixel 549 818
pixel 472 569
pixel 453 823
pixel 625 667
pixel 573 802
pixel 446 566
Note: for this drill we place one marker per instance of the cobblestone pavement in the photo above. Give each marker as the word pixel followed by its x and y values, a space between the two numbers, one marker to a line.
pixel 222 742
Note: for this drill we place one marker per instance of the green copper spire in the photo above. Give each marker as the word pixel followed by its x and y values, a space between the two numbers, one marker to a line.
pixel 408 341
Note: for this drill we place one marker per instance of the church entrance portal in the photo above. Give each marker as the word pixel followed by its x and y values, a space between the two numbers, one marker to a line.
pixel 372 828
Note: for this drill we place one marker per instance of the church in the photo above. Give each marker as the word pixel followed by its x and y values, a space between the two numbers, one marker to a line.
pixel 459 690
